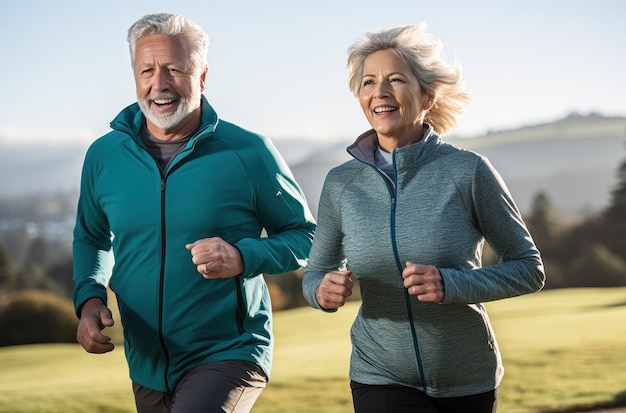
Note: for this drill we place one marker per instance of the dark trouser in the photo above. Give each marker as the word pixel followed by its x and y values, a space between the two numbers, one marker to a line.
pixel 400 399
pixel 225 386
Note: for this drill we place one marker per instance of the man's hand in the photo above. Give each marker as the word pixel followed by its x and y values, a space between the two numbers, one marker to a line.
pixel 216 258
pixel 424 282
pixel 94 317
pixel 334 289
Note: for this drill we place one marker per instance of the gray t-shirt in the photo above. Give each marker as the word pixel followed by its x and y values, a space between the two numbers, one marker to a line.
pixel 163 151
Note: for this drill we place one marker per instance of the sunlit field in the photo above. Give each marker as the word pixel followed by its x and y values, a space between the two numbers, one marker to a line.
pixel 561 349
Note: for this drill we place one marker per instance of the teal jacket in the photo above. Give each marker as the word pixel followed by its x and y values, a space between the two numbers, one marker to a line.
pixel 133 224
pixel 439 207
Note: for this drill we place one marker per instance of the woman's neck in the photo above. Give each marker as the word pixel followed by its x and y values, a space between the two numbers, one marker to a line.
pixel 410 136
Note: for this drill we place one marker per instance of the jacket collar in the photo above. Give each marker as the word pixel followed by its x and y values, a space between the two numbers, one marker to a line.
pixel 366 145
pixel 131 119
pixel 406 159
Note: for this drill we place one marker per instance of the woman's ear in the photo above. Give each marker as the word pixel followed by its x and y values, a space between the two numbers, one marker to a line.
pixel 429 103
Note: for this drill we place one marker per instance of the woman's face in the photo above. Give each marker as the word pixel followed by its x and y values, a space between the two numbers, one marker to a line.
pixel 391 98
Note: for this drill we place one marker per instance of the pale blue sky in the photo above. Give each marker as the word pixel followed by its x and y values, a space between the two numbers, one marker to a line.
pixel 278 67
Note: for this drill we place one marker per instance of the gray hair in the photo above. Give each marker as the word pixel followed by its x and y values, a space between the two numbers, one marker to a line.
pixel 424 55
pixel 171 25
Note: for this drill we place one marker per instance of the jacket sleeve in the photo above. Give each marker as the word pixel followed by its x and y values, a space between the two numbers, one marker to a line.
pixel 520 267
pixel 327 252
pixel 283 211
pixel 92 255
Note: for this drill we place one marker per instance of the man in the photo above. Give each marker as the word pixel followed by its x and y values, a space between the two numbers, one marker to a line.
pixel 172 208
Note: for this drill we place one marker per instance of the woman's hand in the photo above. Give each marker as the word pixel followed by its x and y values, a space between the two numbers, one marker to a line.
pixel 424 282
pixel 334 289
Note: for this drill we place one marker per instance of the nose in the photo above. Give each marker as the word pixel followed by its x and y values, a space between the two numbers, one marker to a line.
pixel 381 90
pixel 160 80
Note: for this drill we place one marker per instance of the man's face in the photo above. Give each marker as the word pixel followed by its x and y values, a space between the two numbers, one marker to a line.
pixel 168 86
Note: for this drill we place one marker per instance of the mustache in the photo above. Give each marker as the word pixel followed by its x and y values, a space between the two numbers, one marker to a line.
pixel 165 95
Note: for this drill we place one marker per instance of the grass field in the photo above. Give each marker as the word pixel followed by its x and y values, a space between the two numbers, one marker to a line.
pixel 561 349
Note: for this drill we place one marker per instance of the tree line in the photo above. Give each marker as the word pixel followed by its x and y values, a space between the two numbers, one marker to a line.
pixel 36 271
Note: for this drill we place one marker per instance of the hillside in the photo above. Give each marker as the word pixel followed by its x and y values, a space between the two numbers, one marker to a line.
pixel 27 169
pixel 574 160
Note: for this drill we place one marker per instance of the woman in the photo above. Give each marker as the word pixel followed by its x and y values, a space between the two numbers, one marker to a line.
pixel 408 218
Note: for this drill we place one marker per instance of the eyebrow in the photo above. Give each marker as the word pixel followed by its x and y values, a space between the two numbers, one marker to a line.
pixel 390 74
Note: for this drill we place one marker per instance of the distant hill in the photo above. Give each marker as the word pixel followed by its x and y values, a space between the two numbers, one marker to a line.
pixel 29 168
pixel 574 160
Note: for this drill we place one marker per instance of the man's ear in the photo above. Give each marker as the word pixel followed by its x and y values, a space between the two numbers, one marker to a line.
pixel 203 77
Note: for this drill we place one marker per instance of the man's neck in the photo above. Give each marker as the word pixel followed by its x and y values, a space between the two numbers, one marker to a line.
pixel 190 124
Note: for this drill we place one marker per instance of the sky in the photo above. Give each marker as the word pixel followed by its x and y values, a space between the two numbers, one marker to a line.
pixel 278 67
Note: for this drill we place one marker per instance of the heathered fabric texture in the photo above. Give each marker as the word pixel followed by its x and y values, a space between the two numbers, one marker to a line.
pixel 442 205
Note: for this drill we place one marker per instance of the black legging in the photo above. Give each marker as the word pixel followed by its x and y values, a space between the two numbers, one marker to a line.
pixel 401 399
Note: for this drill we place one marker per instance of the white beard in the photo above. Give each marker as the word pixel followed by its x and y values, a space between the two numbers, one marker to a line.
pixel 169 120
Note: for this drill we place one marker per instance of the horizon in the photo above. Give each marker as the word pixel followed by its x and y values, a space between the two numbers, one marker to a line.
pixel 84 137
pixel 529 159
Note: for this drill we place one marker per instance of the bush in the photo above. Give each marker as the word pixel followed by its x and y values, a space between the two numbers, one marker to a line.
pixel 554 276
pixel 29 317
pixel 597 267
pixel 286 290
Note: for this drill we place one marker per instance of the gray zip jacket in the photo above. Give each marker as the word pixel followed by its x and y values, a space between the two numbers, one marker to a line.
pixel 441 205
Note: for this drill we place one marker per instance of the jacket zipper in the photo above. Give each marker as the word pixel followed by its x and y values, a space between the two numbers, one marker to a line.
pixel 163 174
pixel 161 283
pixel 407 297
pixel 392 187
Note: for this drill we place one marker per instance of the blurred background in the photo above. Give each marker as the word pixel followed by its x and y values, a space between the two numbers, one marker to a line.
pixel 547 108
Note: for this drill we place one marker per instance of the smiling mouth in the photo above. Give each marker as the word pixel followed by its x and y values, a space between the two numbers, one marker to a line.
pixel 383 109
pixel 163 101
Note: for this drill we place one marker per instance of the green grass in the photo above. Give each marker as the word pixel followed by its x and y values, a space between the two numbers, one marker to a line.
pixel 561 349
